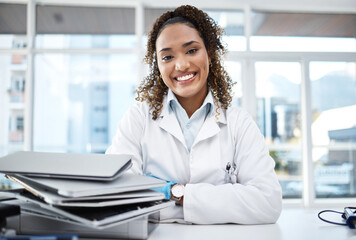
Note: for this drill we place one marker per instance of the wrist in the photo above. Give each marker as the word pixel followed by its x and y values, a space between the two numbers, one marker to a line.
pixel 168 190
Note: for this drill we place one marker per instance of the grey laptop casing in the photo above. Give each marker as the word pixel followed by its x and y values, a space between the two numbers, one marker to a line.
pixel 127 182
pixel 102 167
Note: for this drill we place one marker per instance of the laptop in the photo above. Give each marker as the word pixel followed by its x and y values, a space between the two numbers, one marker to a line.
pixel 100 167
pixel 74 188
pixel 31 224
pixel 96 217
pixel 99 201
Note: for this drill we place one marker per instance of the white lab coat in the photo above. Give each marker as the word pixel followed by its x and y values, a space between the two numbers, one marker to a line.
pixel 158 147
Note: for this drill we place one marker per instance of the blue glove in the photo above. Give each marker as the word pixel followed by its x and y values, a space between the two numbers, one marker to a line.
pixel 165 189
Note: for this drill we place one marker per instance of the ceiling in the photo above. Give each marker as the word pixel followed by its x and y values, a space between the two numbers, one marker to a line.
pixel 105 20
pixel 305 24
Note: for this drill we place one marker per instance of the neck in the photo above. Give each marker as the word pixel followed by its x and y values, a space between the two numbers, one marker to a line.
pixel 190 107
pixel 192 104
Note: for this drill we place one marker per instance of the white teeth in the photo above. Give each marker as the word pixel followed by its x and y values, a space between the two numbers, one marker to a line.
pixel 186 77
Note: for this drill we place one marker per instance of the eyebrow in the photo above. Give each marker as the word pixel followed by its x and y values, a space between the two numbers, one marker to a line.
pixel 184 45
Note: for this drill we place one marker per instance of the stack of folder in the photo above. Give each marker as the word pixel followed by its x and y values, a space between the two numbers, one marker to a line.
pixel 91 190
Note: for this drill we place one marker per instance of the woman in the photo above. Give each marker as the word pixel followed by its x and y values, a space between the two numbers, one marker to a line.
pixel 183 130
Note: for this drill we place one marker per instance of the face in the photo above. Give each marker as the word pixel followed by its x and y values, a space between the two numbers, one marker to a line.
pixel 183 62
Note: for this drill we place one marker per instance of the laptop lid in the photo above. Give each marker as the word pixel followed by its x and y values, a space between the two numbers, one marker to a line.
pixel 127 182
pixel 103 167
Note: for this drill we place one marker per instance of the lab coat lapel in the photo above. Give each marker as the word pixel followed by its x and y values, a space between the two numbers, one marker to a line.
pixel 211 126
pixel 209 129
pixel 169 123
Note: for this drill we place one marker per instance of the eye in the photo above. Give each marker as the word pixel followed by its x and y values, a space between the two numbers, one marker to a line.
pixel 166 58
pixel 192 51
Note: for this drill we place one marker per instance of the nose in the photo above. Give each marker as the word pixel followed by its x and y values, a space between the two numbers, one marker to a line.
pixel 182 64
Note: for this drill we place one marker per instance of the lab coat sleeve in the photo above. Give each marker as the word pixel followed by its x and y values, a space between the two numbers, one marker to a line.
pixel 256 198
pixel 128 136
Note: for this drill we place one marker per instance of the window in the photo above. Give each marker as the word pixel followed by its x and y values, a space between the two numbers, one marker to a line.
pixel 12 102
pixel 86 61
pixel 13 67
pixel 278 117
pixel 13 20
pixel 80 98
pixel 333 88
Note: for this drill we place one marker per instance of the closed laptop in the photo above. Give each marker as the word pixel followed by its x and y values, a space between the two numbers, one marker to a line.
pixel 102 167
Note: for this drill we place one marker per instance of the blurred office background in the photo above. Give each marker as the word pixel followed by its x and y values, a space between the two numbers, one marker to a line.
pixel 69 68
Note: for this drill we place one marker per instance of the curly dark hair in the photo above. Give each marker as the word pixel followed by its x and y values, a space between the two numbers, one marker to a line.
pixel 152 89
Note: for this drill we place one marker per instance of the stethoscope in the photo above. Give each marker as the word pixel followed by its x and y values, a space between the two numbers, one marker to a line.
pixel 230 175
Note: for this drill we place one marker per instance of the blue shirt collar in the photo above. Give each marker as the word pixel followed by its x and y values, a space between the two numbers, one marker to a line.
pixel 173 102
pixel 209 99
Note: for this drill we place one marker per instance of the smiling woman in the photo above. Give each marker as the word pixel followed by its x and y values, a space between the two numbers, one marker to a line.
pixel 183 129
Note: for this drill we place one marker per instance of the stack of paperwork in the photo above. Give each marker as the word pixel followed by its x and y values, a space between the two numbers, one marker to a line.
pixel 91 190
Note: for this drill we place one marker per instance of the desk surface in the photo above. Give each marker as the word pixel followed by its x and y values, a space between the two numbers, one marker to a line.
pixel 294 223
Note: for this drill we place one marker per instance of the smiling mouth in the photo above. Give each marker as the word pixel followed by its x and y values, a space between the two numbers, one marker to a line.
pixel 185 77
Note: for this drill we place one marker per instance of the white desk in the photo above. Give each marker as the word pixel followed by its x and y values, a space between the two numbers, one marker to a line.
pixel 293 224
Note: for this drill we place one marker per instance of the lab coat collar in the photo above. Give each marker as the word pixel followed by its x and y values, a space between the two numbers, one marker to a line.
pixel 211 125
pixel 168 121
